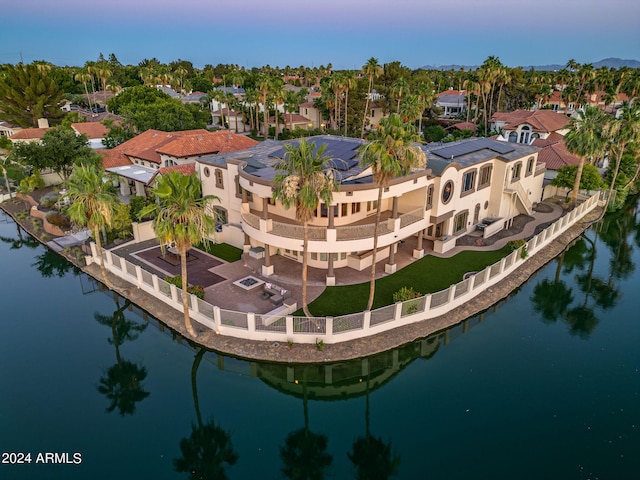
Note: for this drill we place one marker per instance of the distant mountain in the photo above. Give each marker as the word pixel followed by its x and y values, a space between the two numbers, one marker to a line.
pixel 607 62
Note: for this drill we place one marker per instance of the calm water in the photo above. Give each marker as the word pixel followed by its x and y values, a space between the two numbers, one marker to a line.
pixel 545 385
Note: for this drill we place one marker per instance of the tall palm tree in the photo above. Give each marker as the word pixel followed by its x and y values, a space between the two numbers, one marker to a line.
pixel 348 83
pixel 93 204
pixel 183 217
pixel 584 139
pixel 622 131
pixel 371 69
pixel 426 95
pixel 264 89
pixel 278 92
pixel 84 78
pixel 391 152
pixel 303 179
pixel 399 88
pixel 411 108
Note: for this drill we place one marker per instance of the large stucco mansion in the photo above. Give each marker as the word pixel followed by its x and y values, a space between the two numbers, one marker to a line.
pixel 476 184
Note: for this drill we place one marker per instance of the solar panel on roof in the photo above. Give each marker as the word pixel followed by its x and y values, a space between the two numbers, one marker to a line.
pixel 457 150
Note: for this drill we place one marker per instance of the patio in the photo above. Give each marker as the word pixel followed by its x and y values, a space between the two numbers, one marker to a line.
pixel 218 276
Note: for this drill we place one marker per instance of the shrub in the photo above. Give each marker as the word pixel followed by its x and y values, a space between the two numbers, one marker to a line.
pixel 49 200
pixel 516 244
pixel 59 220
pixel 196 290
pixel 405 294
pixel 136 204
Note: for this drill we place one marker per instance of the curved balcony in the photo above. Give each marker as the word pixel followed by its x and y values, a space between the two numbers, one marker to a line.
pixel 355 237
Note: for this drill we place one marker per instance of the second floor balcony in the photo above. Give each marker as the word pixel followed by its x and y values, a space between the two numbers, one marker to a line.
pixel 282 231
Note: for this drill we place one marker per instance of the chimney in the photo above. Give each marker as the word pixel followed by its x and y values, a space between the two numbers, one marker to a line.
pixel 43 123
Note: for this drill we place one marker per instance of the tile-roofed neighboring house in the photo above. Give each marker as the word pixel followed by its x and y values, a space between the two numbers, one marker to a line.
pixel 213 142
pixel 29 135
pixel 452 102
pixel 137 160
pixel 555 155
pixel 186 169
pixel 289 119
pixel 464 126
pixel 543 121
pixel 7 129
pixel 94 131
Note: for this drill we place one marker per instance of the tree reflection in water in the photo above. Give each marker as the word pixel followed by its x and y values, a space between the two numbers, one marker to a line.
pixel 303 454
pixel 122 382
pixel 208 450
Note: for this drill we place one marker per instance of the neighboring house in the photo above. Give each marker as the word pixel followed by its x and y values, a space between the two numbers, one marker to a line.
pixel 136 161
pixel 233 120
pixel 308 110
pixel 291 121
pixel 7 129
pixel 554 154
pixel 27 135
pixel 452 102
pixel 465 182
pixel 463 126
pixel 376 113
pixel 524 126
pixel 95 132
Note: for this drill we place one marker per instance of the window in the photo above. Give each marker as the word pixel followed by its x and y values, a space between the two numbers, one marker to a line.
pixel 513 137
pixel 343 255
pixel 524 134
pixel 323 257
pixel 372 205
pixel 205 171
pixel 221 215
pixel 485 176
pixel 447 192
pixel 314 256
pixel 460 222
pixel 344 209
pixel 355 208
pixel 219 182
pixel 429 197
pixel 324 212
pixel 468 182
pixel 373 113
pixel 517 170
pixel 530 164
pixel 239 190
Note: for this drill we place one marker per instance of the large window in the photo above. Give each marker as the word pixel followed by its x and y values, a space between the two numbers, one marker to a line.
pixel 525 131
pixel 355 208
pixel 485 176
pixel 530 164
pixel 468 182
pixel 517 171
pixel 460 222
pixel 447 192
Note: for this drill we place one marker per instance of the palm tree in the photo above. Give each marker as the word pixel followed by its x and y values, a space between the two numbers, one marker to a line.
pixel 399 89
pixel 92 204
pixel 84 78
pixel 622 131
pixel 411 108
pixel 426 95
pixel 584 139
pixel 391 152
pixel 303 179
pixel 348 83
pixel 278 92
pixel 183 218
pixel 371 69
pixel 264 89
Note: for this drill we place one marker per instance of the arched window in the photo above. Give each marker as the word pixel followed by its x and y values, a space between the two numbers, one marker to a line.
pixel 530 165
pixel 219 180
pixel 476 213
pixel 525 131
pixel 513 137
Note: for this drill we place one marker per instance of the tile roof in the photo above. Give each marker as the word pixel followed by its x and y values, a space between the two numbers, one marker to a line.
pixel 185 169
pixel 291 117
pixel 555 154
pixel 203 144
pixel 29 134
pixel 545 121
pixel 90 129
pixel 464 126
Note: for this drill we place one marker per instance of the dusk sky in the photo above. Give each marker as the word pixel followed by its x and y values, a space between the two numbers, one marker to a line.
pixel 344 33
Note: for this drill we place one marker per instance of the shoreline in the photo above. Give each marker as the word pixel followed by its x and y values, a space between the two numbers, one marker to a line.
pixel 280 352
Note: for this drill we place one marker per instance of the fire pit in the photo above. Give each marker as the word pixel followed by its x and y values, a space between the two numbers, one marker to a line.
pixel 249 283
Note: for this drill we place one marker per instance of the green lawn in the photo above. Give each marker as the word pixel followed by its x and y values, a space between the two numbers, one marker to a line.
pixel 222 250
pixel 427 275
